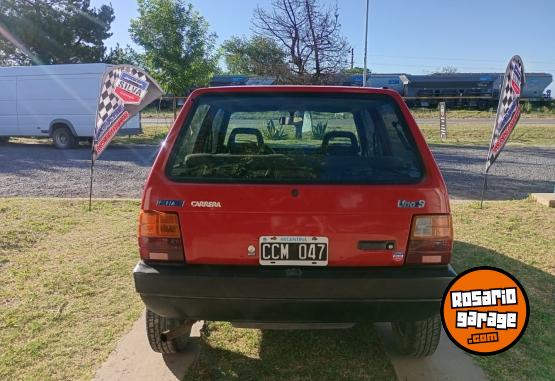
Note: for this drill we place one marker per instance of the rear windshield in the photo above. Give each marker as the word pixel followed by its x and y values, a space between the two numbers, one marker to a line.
pixel 295 138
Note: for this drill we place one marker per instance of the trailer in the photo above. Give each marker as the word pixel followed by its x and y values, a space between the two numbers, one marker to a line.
pixel 56 101
pixel 469 90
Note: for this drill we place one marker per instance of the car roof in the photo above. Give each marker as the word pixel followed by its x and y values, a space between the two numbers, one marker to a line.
pixel 294 89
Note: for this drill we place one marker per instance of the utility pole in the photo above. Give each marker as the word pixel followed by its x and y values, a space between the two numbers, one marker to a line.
pixel 352 58
pixel 365 72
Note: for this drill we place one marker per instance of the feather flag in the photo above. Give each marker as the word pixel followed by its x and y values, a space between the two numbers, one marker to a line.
pixel 508 111
pixel 125 91
pixel 508 114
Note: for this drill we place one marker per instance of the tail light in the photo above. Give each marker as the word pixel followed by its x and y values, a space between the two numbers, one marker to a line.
pixel 160 237
pixel 431 240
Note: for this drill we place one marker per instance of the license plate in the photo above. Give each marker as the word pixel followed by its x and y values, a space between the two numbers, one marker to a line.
pixel 293 251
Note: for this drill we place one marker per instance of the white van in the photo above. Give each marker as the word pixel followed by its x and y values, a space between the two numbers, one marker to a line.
pixel 57 101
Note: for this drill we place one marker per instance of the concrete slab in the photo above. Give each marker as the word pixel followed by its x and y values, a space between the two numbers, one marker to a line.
pixel 134 360
pixel 449 363
pixel 547 199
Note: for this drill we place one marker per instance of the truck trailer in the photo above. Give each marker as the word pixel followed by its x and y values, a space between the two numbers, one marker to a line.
pixel 56 101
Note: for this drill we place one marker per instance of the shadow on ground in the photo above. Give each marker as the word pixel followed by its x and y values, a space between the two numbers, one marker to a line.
pixel 227 353
pixel 533 358
pixel 232 354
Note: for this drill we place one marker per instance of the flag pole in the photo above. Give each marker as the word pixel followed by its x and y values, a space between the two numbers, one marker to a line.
pixel 484 188
pixel 91 177
pixel 365 71
pixel 485 183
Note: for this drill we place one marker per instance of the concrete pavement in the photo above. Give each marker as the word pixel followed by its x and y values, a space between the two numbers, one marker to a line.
pixel 134 360
pixel 449 363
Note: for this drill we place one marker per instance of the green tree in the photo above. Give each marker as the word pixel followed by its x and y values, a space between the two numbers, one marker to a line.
pixel 179 50
pixel 127 55
pixel 255 56
pixel 354 70
pixel 53 31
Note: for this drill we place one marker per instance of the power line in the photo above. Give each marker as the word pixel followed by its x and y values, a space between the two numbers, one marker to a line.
pixel 457 59
pixel 496 69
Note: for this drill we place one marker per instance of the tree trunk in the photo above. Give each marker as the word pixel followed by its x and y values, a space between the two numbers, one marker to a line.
pixel 174 105
pixel 310 16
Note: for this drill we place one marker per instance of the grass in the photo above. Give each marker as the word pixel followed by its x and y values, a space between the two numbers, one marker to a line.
pixel 229 353
pixel 66 293
pixel 66 297
pixel 516 236
pixel 458 134
pixel 475 134
pixel 453 113
pixel 528 112
pixel 152 134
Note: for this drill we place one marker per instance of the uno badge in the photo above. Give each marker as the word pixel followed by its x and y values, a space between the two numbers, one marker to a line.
pixel 485 311
pixel 130 89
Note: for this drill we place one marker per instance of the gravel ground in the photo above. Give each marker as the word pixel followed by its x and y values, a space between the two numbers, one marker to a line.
pixel 42 170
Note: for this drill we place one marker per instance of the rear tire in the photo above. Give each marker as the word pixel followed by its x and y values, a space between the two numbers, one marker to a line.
pixel 418 338
pixel 156 325
pixel 63 138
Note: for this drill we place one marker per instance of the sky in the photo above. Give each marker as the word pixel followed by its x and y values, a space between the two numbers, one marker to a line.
pixel 411 36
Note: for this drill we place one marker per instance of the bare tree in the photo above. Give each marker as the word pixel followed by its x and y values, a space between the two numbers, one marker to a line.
pixel 309 33
pixel 447 70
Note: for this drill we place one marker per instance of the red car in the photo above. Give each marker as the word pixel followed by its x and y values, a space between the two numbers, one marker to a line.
pixel 294 207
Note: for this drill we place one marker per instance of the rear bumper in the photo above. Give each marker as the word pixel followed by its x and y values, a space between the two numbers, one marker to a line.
pixel 262 294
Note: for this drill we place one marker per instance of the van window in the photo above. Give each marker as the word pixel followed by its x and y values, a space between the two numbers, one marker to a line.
pixel 295 138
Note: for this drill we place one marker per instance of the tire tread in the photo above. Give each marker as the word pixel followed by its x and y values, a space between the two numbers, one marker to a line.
pixel 155 326
pixel 420 338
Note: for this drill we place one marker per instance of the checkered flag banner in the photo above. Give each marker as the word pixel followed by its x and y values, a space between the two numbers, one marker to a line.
pixel 125 91
pixel 508 111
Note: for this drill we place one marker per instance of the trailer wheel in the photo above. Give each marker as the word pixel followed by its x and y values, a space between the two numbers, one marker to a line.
pixel 63 137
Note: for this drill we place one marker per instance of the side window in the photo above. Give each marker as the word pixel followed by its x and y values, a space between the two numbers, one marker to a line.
pixel 190 138
pixel 369 131
pixel 396 132
pixel 216 131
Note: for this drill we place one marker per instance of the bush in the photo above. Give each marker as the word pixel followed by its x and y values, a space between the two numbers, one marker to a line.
pixel 275 133
pixel 319 130
pixel 527 107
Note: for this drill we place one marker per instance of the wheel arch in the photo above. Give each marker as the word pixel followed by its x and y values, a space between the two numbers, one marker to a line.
pixel 60 122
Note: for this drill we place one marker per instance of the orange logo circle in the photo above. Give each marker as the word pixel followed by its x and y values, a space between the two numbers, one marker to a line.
pixel 485 310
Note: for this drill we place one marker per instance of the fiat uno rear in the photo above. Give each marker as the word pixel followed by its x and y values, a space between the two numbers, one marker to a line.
pixel 294 207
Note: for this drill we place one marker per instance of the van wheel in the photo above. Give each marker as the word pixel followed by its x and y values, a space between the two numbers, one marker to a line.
pixel 63 138
pixel 156 325
pixel 417 338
